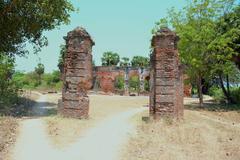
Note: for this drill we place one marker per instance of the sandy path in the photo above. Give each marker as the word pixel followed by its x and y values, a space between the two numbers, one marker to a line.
pixel 102 142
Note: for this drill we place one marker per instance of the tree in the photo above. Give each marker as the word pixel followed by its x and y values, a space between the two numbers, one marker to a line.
pixel 6 72
pixel 140 61
pixel 195 25
pixel 134 83
pixel 61 57
pixel 8 87
pixel 110 59
pixel 226 45
pixel 24 21
pixel 39 70
pixel 124 62
pixel 225 49
pixel 119 82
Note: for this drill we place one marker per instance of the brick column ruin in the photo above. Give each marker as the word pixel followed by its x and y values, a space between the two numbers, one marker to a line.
pixel 166 97
pixel 77 76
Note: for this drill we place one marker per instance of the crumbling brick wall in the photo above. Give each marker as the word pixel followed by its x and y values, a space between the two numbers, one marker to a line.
pixel 106 76
pixel 77 76
pixel 166 97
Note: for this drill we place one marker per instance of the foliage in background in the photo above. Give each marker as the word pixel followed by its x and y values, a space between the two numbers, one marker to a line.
pixel 8 88
pixel 124 62
pixel 50 81
pixel 110 59
pixel 216 93
pixel 146 85
pixel 208 31
pixel 61 58
pixel 24 21
pixel 119 82
pixel 140 61
pixel 226 44
pixel 134 83
pixel 39 70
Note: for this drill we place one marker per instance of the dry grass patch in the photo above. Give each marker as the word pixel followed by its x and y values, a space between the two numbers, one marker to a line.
pixel 199 136
pixel 64 131
pixel 8 131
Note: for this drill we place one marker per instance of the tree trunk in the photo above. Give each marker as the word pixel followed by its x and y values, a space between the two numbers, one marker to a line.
pixel 225 92
pixel 39 79
pixel 200 94
pixel 236 60
pixel 228 86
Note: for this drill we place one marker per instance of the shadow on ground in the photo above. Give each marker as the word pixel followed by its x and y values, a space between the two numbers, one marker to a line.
pixel 25 108
pixel 213 106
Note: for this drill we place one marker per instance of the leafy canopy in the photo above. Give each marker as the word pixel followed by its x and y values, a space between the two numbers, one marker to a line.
pixel 124 62
pixel 24 21
pixel 140 61
pixel 110 59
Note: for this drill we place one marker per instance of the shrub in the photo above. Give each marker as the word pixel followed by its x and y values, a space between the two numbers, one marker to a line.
pixel 119 82
pixel 217 93
pixel 134 83
pixel 8 87
pixel 235 92
pixel 146 85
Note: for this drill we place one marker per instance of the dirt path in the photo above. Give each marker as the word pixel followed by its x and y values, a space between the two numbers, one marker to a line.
pixel 101 142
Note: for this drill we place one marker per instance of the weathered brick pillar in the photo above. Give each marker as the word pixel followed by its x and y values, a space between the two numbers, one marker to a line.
pixel 126 81
pixel 166 97
pixel 77 76
pixel 141 79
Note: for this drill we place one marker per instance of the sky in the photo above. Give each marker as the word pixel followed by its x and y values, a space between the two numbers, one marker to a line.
pixel 122 26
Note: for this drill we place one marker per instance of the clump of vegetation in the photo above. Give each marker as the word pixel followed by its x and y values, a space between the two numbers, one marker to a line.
pixel 119 83
pixel 17 30
pixel 8 87
pixel 39 70
pixel 134 84
pixel 209 43
pixel 49 81
pixel 146 85
pixel 140 61
pixel 236 95
pixel 110 59
pixel 216 93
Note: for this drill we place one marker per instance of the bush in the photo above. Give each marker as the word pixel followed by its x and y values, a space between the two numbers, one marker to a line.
pixel 217 93
pixel 146 85
pixel 31 80
pixel 8 87
pixel 134 83
pixel 119 82
pixel 236 95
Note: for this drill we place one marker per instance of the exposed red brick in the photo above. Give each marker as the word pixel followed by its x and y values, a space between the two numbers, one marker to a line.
pixel 166 97
pixel 77 75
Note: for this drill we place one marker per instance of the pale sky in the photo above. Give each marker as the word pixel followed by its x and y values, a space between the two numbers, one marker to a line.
pixel 122 26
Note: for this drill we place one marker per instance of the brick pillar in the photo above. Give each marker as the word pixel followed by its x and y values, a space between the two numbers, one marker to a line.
pixel 77 76
pixel 126 81
pixel 141 79
pixel 166 97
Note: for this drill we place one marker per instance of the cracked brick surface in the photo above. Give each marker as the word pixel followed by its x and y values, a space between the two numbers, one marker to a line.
pixel 166 97
pixel 77 74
